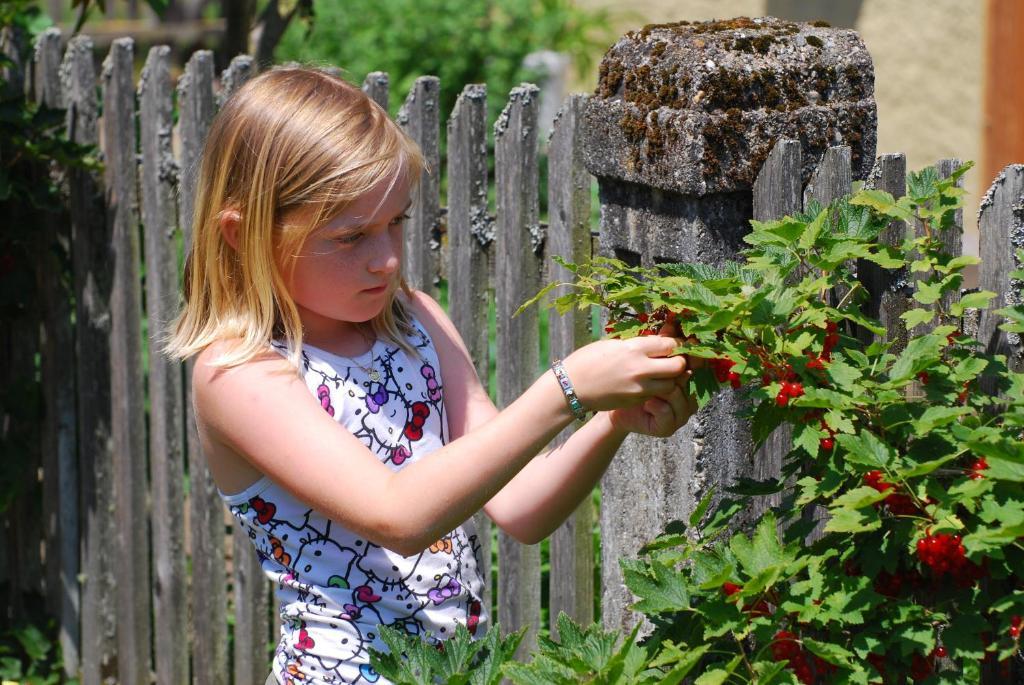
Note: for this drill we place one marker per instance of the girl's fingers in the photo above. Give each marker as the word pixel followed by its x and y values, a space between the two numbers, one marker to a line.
pixel 666 367
pixel 657 345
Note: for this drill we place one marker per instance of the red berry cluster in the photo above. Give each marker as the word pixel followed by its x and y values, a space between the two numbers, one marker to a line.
pixel 1015 622
pixel 979 465
pixel 944 553
pixel 899 504
pixel 786 647
pixel 722 368
pixel 789 390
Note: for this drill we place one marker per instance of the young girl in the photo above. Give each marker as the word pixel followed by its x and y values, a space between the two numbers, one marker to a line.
pixel 339 411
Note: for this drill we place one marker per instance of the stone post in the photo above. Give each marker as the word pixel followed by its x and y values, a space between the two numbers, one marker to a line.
pixel 683 117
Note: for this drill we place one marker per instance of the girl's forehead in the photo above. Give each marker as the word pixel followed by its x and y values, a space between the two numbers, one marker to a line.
pixel 387 199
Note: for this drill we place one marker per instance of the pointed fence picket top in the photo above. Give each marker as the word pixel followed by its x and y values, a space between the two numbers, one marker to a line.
pixel 517 278
pixel 57 358
pixel 91 258
pixel 1001 227
pixel 568 236
pixel 241 69
pixel 376 85
pixel 420 117
pixel 208 608
pixel 158 183
pixel 470 235
pixel 777 193
pixel 128 415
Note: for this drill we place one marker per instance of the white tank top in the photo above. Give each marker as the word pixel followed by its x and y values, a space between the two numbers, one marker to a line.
pixel 334 587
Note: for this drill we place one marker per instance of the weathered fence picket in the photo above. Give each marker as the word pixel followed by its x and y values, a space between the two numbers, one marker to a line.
pixel 108 543
pixel 420 117
pixel 886 290
pixel 128 411
pixel 516 278
pixel 777 192
pixel 470 234
pixel 376 85
pixel 568 236
pixel 1001 227
pixel 157 181
pixel 90 263
pixel 208 607
pixel 60 460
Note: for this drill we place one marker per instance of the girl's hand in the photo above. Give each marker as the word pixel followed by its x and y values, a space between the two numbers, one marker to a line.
pixel 658 416
pixel 663 415
pixel 615 374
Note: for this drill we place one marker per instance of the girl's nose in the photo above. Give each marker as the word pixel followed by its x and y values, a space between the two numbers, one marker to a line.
pixel 386 259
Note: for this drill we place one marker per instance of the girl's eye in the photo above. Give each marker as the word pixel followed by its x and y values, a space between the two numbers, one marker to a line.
pixel 348 239
pixel 400 219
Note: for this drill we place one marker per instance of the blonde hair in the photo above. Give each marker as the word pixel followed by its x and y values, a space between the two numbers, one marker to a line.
pixel 292 138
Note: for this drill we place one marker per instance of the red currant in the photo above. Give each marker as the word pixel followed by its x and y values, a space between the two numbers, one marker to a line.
pixel 827 444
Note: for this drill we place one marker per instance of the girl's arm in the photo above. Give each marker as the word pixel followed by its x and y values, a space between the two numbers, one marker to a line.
pixel 550 487
pixel 263 412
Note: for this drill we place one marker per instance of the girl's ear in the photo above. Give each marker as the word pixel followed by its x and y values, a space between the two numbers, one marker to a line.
pixel 230 221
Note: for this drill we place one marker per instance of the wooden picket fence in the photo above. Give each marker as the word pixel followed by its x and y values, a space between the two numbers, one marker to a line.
pixel 139 565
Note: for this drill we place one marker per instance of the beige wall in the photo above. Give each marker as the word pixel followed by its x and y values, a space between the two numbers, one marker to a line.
pixel 928 57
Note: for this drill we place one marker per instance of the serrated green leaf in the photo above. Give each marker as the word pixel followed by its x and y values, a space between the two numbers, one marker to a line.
pixel 864 448
pixel 916 317
pixel 853 521
pixel 976 300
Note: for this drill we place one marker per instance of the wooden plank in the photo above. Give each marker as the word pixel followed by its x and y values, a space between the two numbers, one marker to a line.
pixel 777 192
pixel 420 117
pixel 91 259
pixel 831 180
pixel 376 85
pixel 208 605
pixel 470 234
pixel 517 278
pixel 128 416
pixel 60 468
pixel 1001 226
pixel 572 544
pixel 158 176
pixel 887 289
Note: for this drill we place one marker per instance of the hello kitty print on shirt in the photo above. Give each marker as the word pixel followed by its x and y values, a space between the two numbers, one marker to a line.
pixel 334 587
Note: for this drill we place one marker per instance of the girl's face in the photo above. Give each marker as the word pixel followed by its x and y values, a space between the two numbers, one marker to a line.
pixel 348 266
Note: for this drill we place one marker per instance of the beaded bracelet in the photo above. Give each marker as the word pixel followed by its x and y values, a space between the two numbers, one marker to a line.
pixel 570 394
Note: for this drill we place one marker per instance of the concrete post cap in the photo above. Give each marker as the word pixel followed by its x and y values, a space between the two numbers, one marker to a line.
pixel 695 108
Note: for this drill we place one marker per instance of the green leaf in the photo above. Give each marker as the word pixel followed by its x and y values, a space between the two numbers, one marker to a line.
pixel 927 293
pixel 859 497
pixel 933 417
pixel 920 353
pixel 864 448
pixel 684 662
pixel 842 374
pixel 976 300
pixel 659 587
pixel 916 317
pixel 830 652
pixel 853 521
pixel 882 202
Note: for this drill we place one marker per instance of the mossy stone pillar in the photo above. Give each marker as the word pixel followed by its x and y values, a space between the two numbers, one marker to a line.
pixel 682 120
